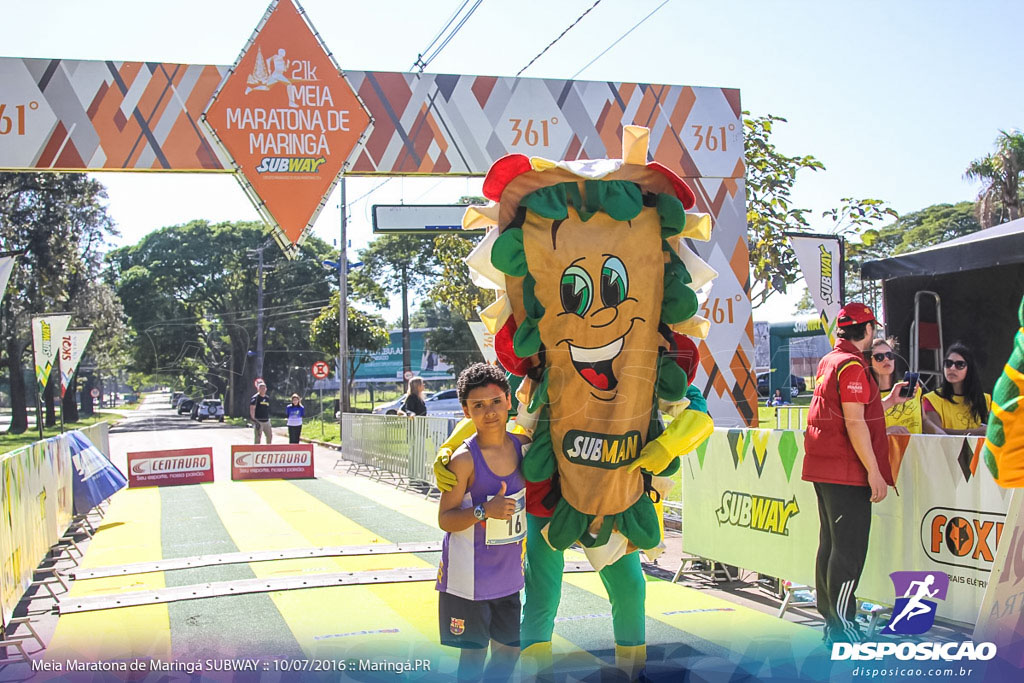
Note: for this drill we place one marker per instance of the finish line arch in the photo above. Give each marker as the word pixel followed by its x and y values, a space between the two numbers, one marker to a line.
pixel 94 116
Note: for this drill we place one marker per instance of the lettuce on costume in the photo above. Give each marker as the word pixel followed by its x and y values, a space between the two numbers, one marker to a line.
pixel 598 293
pixel 1004 440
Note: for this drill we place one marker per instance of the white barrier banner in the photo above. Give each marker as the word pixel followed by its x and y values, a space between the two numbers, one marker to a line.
pixel 745 504
pixel 1001 620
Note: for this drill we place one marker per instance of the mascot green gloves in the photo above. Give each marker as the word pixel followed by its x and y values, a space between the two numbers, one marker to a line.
pixel 598 296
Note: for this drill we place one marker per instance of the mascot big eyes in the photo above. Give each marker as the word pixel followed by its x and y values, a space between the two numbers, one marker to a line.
pixel 599 298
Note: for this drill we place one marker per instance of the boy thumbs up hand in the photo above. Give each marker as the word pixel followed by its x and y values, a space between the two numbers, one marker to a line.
pixel 500 507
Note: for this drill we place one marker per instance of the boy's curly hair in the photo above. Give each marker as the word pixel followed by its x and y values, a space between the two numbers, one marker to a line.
pixel 479 375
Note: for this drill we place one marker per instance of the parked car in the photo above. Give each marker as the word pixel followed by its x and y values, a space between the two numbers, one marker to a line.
pixel 797 384
pixel 444 403
pixel 175 396
pixel 184 405
pixel 209 409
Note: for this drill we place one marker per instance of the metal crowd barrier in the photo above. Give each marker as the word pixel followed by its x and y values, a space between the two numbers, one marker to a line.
pixel 791 417
pixel 394 448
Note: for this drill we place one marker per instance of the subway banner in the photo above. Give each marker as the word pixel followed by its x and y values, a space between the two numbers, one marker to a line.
pixel 47 331
pixel 287 461
pixel 36 499
pixel 170 468
pixel 745 504
pixel 821 260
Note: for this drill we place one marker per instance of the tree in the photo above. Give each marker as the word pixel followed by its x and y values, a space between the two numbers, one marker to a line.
pixel 61 219
pixel 190 293
pixel 449 335
pixel 392 264
pixel 770 178
pixel 366 334
pixel 999 200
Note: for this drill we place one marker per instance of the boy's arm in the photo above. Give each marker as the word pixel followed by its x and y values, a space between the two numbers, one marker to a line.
pixel 450 514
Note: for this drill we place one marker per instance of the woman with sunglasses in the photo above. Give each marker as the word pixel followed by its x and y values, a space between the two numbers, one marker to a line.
pixel 959 405
pixel 905 418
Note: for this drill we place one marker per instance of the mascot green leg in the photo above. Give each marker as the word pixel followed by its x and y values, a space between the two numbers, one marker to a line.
pixel 627 590
pixel 543 575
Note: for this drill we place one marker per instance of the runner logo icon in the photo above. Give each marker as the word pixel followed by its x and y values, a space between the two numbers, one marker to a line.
pixel 914 611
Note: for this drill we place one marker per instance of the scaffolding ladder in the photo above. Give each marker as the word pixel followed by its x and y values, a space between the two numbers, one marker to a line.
pixel 927 336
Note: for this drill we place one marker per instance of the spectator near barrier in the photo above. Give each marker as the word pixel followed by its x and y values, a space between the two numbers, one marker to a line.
pixel 847 460
pixel 959 405
pixel 903 418
pixel 259 413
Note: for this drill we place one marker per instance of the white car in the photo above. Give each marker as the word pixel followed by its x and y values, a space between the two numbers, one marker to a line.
pixel 210 408
pixel 444 404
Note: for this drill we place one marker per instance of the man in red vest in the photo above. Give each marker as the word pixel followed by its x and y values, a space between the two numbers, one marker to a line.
pixel 847 459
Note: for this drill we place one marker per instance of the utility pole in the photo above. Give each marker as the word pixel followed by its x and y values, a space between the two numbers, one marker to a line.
pixel 343 309
pixel 406 350
pixel 261 268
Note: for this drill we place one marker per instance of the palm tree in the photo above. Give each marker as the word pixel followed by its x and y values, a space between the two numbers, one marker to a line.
pixel 1000 173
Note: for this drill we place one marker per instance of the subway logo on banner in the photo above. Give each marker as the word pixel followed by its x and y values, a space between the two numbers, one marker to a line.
pixel 607 451
pixel 290 164
pixel 760 513
pixel 959 537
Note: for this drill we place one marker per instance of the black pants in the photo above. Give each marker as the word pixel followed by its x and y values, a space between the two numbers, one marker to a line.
pixel 293 433
pixel 845 516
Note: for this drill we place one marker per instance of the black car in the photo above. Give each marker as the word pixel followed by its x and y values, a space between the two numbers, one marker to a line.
pixel 185 406
pixel 797 383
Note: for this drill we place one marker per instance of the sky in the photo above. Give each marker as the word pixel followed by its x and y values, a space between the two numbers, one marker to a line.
pixel 895 98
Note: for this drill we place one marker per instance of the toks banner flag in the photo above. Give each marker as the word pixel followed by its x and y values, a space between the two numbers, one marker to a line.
pixel 6 266
pixel 821 260
pixel 72 346
pixel 47 331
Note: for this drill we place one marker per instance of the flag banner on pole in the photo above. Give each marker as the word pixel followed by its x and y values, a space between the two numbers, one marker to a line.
pixel 72 346
pixel 6 268
pixel 821 260
pixel 47 331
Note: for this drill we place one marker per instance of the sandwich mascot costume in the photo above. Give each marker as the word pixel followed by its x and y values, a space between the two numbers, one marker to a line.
pixel 597 302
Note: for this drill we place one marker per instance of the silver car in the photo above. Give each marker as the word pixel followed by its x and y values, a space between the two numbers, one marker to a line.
pixel 210 409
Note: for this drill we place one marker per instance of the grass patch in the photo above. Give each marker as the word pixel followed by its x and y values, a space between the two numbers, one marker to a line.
pixel 12 442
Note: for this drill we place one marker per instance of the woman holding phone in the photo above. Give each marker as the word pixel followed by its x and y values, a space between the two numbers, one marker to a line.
pixel 905 418
pixel 959 405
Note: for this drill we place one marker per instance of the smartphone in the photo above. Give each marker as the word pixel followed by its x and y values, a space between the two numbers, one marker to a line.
pixel 911 378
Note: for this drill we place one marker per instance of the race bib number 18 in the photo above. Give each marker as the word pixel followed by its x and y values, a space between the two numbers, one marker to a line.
pixel 511 530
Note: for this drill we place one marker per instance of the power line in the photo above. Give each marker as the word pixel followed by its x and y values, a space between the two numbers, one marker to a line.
pixel 603 52
pixel 421 62
pixel 578 19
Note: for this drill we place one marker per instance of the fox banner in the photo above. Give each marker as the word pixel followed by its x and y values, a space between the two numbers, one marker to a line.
pixel 72 346
pixel 47 331
pixel 6 267
pixel 745 504
pixel 821 260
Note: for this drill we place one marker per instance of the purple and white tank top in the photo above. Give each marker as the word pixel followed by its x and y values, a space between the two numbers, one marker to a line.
pixel 470 568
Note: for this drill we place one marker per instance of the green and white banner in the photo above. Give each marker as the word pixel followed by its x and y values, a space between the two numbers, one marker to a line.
pixel 821 260
pixel 72 346
pixel 47 331
pixel 745 504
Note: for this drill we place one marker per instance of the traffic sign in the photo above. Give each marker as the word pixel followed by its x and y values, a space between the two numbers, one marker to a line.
pixel 95 393
pixel 321 370
pixel 408 375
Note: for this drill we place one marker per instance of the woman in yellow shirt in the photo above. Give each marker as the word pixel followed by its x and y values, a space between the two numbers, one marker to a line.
pixel 959 405
pixel 905 418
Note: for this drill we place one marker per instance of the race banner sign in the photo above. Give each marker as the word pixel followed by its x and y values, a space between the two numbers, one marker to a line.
pixel 171 467
pixel 821 260
pixel 6 267
pixel 1001 620
pixel 745 504
pixel 72 346
pixel 286 461
pixel 47 332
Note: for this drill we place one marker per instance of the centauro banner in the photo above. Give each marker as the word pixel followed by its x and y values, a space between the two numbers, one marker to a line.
pixel 72 346
pixel 821 260
pixel 744 504
pixel 47 331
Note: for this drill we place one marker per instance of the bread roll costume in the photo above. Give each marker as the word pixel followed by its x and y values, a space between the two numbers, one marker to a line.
pixel 597 294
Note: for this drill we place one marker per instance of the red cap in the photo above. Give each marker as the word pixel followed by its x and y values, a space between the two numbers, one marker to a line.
pixel 855 314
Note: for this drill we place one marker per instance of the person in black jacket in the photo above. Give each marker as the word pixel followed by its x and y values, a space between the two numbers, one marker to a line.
pixel 414 404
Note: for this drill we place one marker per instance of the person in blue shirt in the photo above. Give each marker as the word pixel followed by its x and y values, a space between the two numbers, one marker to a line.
pixel 296 411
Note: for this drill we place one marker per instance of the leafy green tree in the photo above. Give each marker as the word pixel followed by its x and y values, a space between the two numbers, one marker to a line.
pixel 61 220
pixel 449 334
pixel 770 178
pixel 190 293
pixel 367 334
pixel 1000 174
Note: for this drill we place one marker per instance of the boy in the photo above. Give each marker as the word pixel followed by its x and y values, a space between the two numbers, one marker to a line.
pixel 481 571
